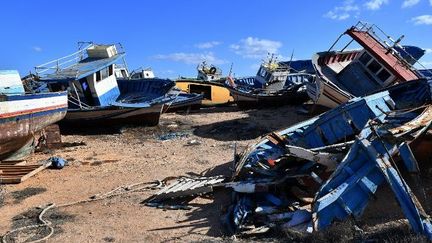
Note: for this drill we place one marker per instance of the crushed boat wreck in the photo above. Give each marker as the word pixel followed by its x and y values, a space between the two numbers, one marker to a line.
pixel 327 168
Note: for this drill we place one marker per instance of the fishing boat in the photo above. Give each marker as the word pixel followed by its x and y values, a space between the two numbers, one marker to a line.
pixel 94 93
pixel 139 81
pixel 344 74
pixel 328 167
pixel 23 114
pixel 274 84
pixel 209 83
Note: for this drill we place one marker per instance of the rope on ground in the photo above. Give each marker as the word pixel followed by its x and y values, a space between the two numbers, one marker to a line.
pixel 118 191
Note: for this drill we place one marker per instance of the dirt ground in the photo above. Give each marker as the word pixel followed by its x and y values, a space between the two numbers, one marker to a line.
pixel 137 154
pixel 102 159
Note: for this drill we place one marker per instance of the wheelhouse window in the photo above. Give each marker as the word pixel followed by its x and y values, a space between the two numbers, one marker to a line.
pixel 365 58
pixel 374 66
pixel 123 72
pixel 105 73
pixel 383 75
pixel 262 72
pixel 111 70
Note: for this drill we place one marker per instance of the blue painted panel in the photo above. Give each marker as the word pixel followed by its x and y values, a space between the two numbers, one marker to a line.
pixel 107 98
pixel 16 89
pixel 408 158
pixel 10 82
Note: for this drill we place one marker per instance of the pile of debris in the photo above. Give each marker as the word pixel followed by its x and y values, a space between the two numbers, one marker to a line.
pixel 328 168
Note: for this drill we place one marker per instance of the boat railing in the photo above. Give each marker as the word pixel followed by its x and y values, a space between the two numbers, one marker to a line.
pixel 64 62
pixel 390 43
pixel 77 102
pixel 70 60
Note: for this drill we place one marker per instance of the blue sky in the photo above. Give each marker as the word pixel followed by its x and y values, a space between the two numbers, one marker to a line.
pixel 172 37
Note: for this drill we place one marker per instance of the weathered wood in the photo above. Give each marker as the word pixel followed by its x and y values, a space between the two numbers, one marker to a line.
pixel 13 174
pixel 18 162
pixel 35 171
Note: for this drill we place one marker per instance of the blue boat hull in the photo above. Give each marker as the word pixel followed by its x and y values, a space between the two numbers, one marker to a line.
pixel 251 100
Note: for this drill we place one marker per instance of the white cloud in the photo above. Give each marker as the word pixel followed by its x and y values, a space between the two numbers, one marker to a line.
pixel 375 4
pixel 207 45
pixel 430 1
pixel 253 47
pixel 422 19
pixel 191 58
pixel 428 51
pixel 37 48
pixel 255 66
pixel 410 3
pixel 344 11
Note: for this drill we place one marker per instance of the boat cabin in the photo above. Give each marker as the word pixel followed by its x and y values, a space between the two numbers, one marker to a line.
pixel 208 73
pixel 121 71
pixel 377 65
pixel 271 73
pixel 142 74
pixel 91 81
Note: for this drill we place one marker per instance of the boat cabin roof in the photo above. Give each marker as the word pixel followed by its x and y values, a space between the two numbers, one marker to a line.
pixel 384 54
pixel 80 64
pixel 81 69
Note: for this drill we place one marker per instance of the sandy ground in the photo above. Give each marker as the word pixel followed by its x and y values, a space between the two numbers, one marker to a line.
pixel 131 155
pixel 137 154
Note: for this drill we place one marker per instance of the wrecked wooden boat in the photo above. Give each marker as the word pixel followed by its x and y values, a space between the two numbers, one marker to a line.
pixel 208 83
pixel 143 82
pixel 344 74
pixel 23 115
pixel 94 94
pixel 275 84
pixel 327 168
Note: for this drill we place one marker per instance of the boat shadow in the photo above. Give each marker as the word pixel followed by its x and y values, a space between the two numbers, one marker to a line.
pixel 89 130
pixel 210 109
pixel 257 123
